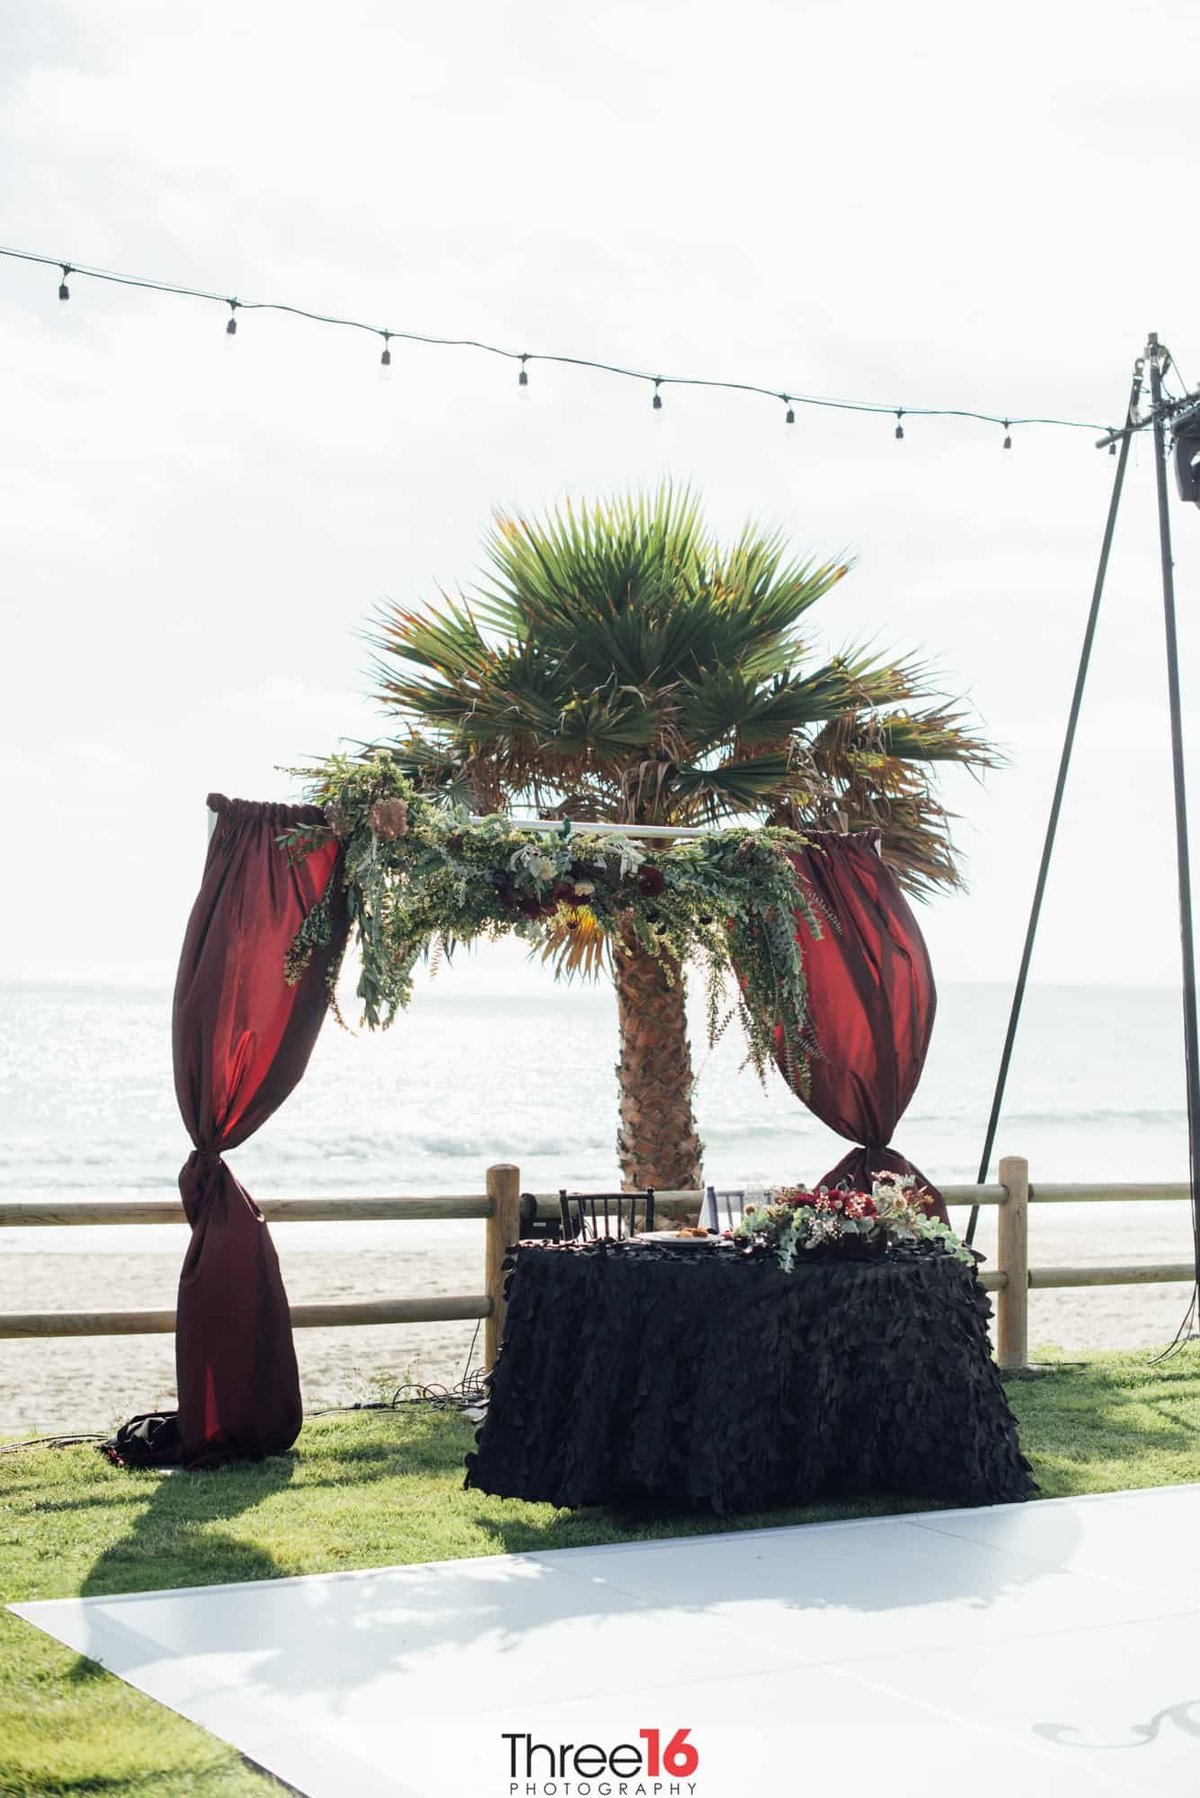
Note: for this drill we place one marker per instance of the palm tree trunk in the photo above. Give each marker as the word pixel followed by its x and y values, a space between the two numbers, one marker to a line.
pixel 658 1145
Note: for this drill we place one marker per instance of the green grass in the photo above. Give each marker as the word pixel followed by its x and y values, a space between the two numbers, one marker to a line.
pixel 375 1488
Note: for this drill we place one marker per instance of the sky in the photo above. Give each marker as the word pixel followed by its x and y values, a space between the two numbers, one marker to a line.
pixel 916 206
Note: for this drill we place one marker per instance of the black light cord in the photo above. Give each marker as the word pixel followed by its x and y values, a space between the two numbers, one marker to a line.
pixel 389 335
pixel 67 1440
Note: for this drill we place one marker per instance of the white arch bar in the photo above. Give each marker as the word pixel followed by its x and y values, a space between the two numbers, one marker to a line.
pixel 577 827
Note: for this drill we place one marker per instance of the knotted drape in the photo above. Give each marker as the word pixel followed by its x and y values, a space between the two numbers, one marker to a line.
pixel 872 1001
pixel 241 1039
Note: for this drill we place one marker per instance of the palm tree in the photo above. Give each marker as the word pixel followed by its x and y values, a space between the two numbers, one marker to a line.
pixel 618 664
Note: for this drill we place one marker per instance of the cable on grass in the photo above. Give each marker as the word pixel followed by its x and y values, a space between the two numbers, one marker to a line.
pixel 12 1448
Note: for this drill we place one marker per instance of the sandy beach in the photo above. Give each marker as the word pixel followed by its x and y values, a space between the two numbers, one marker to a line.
pixel 93 1383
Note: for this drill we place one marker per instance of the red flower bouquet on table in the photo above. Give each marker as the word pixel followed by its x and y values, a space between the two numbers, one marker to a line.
pixel 797 1223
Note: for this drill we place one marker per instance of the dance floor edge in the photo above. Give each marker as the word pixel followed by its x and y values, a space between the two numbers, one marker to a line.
pixel 1047 1647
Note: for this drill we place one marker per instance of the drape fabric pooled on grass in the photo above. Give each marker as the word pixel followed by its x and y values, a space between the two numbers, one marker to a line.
pixel 241 1040
pixel 872 1000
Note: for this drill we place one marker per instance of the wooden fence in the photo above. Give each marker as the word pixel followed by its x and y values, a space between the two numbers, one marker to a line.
pixel 505 1211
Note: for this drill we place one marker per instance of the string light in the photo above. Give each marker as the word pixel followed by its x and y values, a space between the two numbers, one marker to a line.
pixel 1007 435
pixel 385 360
pixel 791 401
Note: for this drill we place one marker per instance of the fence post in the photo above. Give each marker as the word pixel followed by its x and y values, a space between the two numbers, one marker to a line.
pixel 1012 1257
pixel 503 1229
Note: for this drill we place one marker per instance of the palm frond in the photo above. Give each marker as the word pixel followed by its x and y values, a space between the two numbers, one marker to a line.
pixel 615 662
pixel 575 946
pixel 733 788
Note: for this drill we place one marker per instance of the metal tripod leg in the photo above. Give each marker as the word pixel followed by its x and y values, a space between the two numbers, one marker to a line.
pixel 1056 805
pixel 1191 1040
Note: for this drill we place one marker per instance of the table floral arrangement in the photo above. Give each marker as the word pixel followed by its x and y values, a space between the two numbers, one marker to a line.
pixel 796 1223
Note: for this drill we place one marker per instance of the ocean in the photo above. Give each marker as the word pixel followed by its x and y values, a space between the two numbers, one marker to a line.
pixel 495 1063
pixel 500 1064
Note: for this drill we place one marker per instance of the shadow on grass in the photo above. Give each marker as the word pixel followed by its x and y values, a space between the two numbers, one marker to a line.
pixel 427 1441
pixel 647 1523
pixel 171 1541
pixel 436 1444
pixel 1111 1425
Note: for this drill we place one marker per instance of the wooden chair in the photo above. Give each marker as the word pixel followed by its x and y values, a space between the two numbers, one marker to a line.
pixel 586 1216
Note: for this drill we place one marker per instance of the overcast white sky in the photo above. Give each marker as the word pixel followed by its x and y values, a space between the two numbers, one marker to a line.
pixel 922 205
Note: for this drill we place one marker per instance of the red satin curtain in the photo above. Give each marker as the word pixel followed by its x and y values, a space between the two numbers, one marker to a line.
pixel 872 1000
pixel 241 1039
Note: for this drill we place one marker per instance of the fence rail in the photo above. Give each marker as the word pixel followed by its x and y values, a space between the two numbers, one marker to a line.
pixel 505 1209
pixel 304 1317
pixel 14 1212
pixel 42 1212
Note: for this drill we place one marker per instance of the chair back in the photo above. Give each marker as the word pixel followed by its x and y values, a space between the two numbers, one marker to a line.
pixel 586 1216
pixel 723 1207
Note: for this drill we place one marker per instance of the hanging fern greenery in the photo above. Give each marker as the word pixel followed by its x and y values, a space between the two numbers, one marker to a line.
pixel 420 878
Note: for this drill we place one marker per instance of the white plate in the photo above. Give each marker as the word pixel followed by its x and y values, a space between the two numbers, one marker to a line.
pixel 676 1241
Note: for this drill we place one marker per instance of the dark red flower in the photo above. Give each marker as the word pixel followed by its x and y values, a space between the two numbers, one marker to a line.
pixel 650 881
pixel 530 905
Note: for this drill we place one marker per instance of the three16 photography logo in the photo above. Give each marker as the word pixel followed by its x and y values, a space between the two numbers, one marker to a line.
pixel 660 1764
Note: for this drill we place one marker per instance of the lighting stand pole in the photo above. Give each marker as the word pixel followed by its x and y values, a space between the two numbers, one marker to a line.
pixel 1157 358
pixel 1085 657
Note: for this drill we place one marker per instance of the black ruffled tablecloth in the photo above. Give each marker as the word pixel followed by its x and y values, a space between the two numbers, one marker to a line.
pixel 701 1376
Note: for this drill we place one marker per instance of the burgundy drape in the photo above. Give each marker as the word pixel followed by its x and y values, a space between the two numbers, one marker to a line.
pixel 241 1039
pixel 872 1002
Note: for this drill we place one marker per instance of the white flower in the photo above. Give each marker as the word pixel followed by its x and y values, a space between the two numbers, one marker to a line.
pixel 631 856
pixel 584 888
pixel 535 863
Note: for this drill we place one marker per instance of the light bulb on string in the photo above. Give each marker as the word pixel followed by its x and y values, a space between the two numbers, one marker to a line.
pixel 1157 354
pixel 385 360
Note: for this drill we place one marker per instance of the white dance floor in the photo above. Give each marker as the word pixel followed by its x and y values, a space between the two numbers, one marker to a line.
pixel 1048 1649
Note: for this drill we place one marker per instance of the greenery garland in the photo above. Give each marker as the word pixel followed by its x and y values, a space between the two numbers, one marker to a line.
pixel 421 878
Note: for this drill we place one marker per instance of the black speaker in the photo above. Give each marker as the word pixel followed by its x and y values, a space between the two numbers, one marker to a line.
pixel 534 1228
pixel 1185 438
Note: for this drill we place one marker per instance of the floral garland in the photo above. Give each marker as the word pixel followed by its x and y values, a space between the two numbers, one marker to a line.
pixel 796 1223
pixel 420 878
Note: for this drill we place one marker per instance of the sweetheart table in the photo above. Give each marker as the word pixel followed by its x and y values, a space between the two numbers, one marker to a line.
pixel 695 1375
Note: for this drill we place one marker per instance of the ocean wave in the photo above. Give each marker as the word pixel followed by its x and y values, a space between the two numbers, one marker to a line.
pixel 1116 1115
